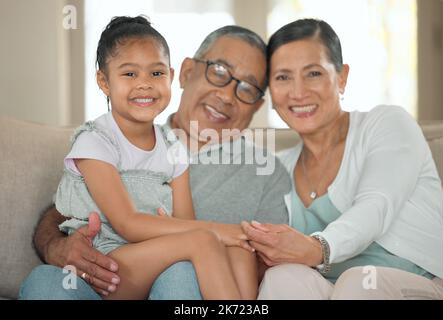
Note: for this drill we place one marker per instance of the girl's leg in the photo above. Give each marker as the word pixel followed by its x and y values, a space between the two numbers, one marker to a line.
pixel 244 265
pixel 141 263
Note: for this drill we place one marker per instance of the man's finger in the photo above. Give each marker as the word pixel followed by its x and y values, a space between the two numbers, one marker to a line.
pixel 161 212
pixel 94 225
pixel 100 266
pixel 100 291
pixel 98 276
pixel 99 286
pixel 96 257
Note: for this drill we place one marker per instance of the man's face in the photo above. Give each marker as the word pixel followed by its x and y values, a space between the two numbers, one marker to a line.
pixel 218 107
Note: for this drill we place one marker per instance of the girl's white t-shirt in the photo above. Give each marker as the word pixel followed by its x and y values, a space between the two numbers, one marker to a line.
pixel 168 158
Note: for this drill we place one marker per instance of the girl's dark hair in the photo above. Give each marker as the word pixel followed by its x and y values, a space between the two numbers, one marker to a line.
pixel 304 29
pixel 121 29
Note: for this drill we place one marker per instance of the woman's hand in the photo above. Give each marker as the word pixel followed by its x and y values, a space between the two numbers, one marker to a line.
pixel 279 243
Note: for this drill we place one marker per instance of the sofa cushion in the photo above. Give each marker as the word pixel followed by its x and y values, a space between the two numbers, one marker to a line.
pixel 31 162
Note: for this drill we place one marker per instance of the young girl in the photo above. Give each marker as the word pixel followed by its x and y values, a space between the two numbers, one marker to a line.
pixel 118 166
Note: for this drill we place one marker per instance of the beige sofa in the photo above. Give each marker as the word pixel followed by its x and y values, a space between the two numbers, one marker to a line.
pixel 30 168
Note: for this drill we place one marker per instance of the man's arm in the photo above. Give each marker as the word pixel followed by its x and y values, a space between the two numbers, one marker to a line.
pixel 47 233
pixel 272 208
pixel 55 248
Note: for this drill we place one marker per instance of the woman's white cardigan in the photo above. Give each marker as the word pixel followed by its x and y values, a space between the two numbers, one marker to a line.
pixel 387 189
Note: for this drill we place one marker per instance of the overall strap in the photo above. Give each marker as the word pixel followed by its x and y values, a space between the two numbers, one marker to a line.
pixel 92 126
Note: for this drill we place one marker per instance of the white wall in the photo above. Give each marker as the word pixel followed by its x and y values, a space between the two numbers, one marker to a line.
pixel 42 64
pixel 34 82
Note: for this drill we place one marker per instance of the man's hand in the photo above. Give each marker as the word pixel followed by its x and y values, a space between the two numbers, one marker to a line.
pixel 95 268
pixel 277 244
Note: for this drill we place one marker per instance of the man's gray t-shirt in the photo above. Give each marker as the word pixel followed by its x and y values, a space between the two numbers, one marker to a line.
pixel 234 191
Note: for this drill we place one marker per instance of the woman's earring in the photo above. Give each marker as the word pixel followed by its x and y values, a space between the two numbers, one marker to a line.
pixel 342 96
pixel 107 101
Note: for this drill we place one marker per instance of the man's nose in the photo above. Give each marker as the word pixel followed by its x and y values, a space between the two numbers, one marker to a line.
pixel 227 93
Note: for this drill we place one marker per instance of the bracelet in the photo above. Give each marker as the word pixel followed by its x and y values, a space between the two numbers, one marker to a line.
pixel 325 267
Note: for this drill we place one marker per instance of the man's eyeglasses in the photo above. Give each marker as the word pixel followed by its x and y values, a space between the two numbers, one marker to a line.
pixel 219 76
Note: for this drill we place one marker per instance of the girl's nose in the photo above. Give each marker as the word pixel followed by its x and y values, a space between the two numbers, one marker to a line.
pixel 144 83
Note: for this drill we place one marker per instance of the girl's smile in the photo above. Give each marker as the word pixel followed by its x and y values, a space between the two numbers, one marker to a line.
pixel 138 81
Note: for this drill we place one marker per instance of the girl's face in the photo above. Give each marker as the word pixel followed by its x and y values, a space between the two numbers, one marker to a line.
pixel 305 85
pixel 137 80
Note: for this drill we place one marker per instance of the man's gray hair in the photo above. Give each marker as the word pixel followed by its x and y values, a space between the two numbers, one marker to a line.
pixel 238 32
pixel 241 33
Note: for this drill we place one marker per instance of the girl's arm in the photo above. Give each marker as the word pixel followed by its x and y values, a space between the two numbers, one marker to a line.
pixel 110 195
pixel 181 197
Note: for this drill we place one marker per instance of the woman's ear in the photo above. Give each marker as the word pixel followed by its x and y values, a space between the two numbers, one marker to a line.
pixel 343 78
pixel 171 74
pixel 102 82
pixel 185 71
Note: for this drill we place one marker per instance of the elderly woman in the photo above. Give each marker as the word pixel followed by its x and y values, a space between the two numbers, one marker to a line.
pixel 366 205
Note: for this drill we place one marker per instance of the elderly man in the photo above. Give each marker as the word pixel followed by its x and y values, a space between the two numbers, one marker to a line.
pixel 223 87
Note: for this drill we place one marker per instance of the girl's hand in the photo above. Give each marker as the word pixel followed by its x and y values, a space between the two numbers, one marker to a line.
pixel 232 235
pixel 277 244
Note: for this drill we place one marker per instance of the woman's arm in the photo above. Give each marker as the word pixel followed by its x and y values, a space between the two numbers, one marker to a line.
pixel 110 195
pixel 394 151
pixel 181 197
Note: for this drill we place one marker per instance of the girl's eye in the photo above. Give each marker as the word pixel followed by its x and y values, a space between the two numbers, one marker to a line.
pixel 129 74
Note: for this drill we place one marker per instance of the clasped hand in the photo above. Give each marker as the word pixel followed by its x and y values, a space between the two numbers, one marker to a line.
pixel 279 243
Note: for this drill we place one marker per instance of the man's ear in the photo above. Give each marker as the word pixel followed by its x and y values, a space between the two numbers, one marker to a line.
pixel 343 78
pixel 102 82
pixel 185 71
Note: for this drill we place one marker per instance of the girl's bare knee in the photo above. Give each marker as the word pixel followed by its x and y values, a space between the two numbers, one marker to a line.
pixel 205 240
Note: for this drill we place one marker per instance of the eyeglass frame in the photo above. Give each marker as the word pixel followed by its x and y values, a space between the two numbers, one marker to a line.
pixel 210 62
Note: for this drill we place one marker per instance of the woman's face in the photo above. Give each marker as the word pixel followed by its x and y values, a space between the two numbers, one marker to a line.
pixel 305 86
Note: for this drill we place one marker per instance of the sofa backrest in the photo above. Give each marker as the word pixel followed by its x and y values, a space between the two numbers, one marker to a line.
pixel 31 162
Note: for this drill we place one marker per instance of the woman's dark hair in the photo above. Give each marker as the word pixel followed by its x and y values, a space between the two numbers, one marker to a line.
pixel 121 29
pixel 305 29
